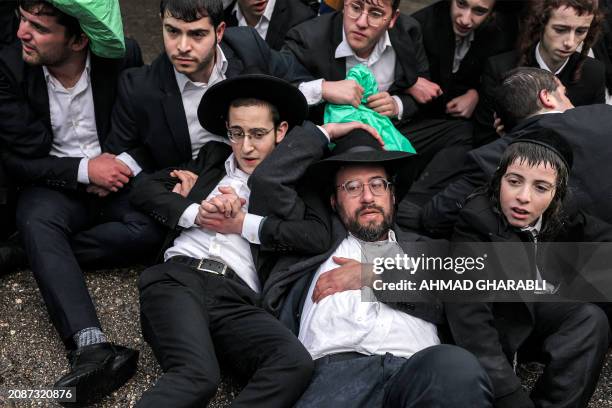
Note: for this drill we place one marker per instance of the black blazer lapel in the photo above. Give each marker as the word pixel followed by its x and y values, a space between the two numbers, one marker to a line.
pixel 104 73
pixel 36 91
pixel 405 58
pixel 173 108
pixel 235 66
pixel 337 66
pixel 278 25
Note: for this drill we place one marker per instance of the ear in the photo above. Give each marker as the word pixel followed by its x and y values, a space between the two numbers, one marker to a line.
pixel 394 18
pixel 547 99
pixel 79 43
pixel 219 31
pixel 281 131
pixel 332 202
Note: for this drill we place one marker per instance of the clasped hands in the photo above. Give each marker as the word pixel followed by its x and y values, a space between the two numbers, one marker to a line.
pixel 107 174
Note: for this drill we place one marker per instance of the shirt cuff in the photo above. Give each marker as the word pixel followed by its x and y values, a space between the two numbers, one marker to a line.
pixel 400 106
pixel 250 228
pixel 130 162
pixel 83 174
pixel 312 91
pixel 187 220
pixel 322 129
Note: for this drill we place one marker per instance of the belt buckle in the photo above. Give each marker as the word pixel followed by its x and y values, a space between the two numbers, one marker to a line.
pixel 203 269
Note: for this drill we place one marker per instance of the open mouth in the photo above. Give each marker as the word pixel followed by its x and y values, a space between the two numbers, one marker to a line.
pixel 519 213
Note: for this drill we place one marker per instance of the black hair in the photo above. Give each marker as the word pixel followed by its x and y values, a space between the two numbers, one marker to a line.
pixel 517 96
pixel 44 8
pixel 533 155
pixel 192 10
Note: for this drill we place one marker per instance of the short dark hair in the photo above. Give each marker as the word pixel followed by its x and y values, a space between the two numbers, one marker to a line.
pixel 533 155
pixel 44 8
pixel 239 102
pixel 192 10
pixel 517 96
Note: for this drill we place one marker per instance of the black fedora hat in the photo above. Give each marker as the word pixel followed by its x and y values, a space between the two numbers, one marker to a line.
pixel 358 147
pixel 288 100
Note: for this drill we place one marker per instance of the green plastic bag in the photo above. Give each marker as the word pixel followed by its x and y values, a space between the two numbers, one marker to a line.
pixel 393 139
pixel 101 21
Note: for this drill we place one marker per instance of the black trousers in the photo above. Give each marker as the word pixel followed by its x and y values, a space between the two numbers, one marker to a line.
pixel 188 315
pixel 63 231
pixel 438 376
pixel 571 339
pixel 442 146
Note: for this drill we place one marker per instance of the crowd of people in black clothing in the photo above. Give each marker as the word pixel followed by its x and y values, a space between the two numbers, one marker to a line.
pixel 218 168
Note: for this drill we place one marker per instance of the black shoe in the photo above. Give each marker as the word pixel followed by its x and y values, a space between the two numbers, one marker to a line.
pixel 98 370
pixel 12 257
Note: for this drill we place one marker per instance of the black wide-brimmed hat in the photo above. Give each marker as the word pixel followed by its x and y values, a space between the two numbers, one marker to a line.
pixel 358 147
pixel 549 139
pixel 288 100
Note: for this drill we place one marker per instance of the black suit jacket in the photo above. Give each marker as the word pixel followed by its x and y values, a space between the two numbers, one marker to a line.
pixel 149 120
pixel 490 39
pixel 299 273
pixel 296 220
pixel 589 90
pixel 314 43
pixel 286 14
pixel 26 135
pixel 586 128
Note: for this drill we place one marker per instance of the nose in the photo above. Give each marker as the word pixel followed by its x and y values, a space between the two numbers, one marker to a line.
pixel 524 195
pixel 570 41
pixel 366 194
pixel 464 19
pixel 184 45
pixel 247 144
pixel 23 33
pixel 362 20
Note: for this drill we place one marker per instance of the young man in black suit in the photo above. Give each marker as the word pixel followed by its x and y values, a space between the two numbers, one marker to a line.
pixel 57 88
pixel 155 122
pixel 226 209
pixel 459 36
pixel 531 98
pixel 549 40
pixel 271 18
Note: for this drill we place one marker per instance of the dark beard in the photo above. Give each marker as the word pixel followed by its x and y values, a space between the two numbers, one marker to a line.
pixel 370 232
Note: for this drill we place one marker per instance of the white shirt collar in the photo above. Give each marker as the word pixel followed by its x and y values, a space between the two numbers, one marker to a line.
pixel 220 66
pixel 543 65
pixel 344 49
pixel 87 70
pixel 535 229
pixel 267 13
pixel 468 39
pixel 232 169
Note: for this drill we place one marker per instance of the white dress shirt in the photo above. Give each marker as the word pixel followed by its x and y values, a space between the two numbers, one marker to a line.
pixel 381 62
pixel 231 249
pixel 462 46
pixel 543 65
pixel 191 95
pixel 344 322
pixel 264 21
pixel 73 120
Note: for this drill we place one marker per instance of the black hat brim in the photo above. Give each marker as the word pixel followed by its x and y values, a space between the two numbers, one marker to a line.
pixel 288 100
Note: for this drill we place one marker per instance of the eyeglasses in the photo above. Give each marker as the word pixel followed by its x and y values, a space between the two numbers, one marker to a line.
pixel 354 188
pixel 236 134
pixel 375 17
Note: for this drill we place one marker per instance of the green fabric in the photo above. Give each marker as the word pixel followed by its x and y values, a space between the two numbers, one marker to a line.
pixel 393 139
pixel 101 21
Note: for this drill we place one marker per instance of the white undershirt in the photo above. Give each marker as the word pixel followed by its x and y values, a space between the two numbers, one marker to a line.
pixel 343 322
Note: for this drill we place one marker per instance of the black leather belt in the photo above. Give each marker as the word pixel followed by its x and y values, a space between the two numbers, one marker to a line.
pixel 332 358
pixel 206 265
